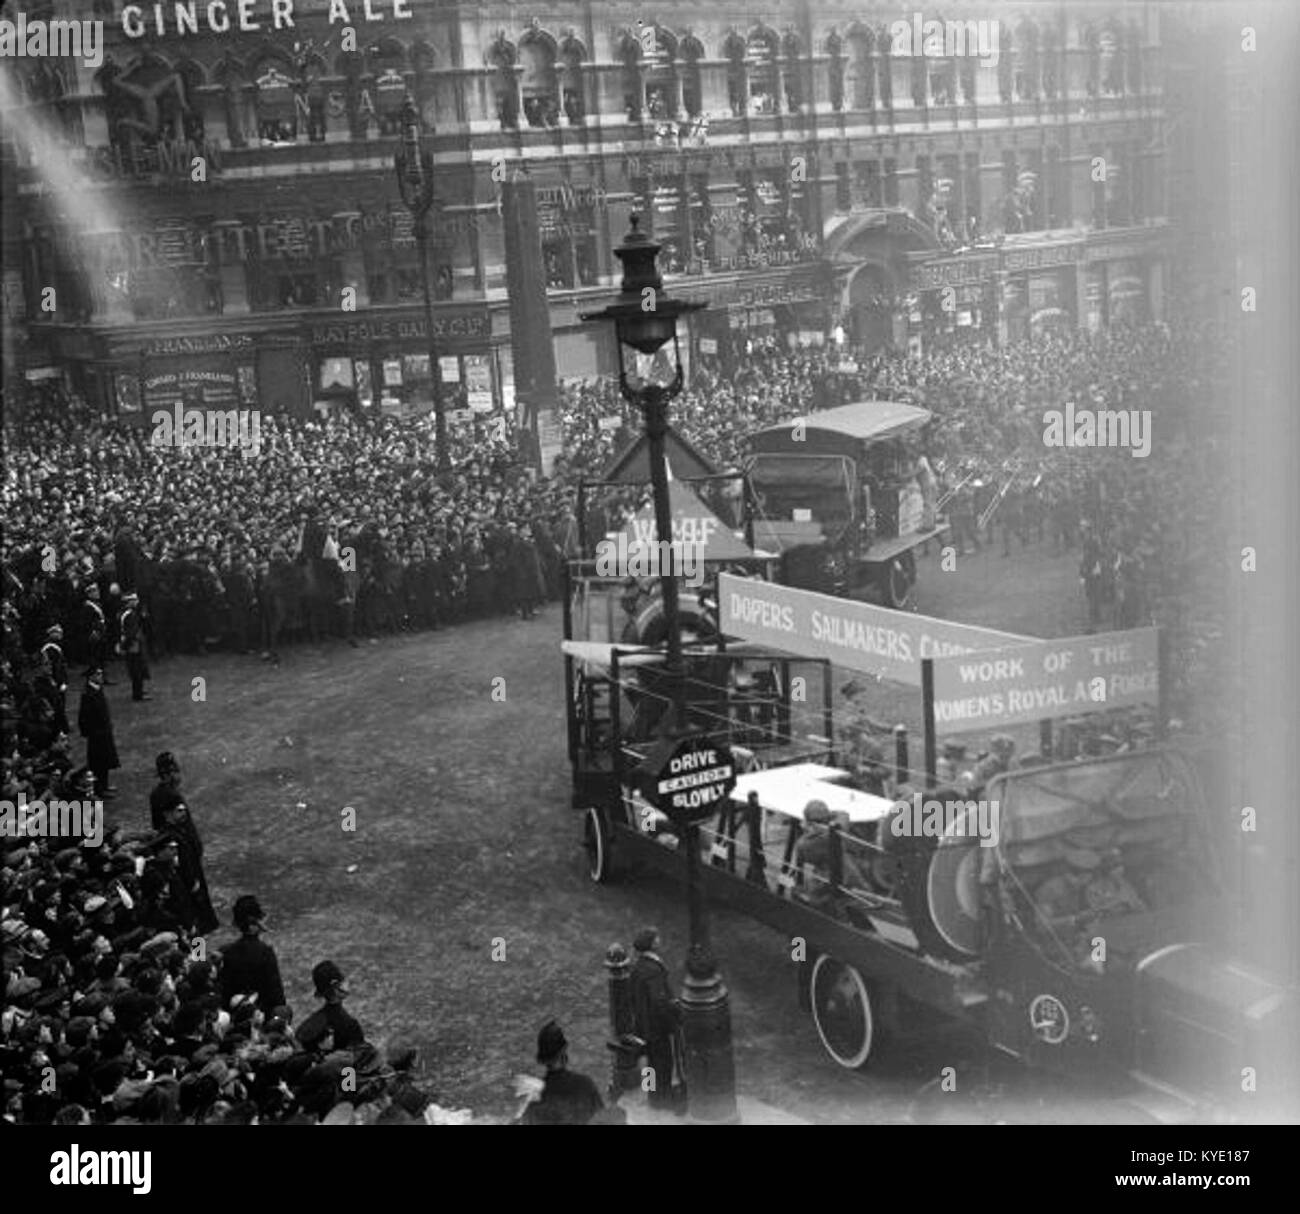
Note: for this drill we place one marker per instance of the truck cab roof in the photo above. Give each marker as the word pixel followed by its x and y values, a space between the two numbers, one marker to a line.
pixel 864 423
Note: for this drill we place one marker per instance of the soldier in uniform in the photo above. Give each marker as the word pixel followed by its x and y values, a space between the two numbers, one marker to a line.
pixel 131 631
pixel 57 665
pixel 94 629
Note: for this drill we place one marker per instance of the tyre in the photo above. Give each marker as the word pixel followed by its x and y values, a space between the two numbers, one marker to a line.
pixel 897 577
pixel 940 893
pixel 596 842
pixel 845 1010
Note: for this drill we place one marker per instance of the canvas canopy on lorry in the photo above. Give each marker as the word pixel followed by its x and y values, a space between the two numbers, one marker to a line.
pixel 834 430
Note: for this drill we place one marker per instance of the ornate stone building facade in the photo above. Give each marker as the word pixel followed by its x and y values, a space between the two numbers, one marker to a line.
pixel 227 222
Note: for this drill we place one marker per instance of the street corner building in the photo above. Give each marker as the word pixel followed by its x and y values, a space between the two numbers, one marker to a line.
pixel 222 228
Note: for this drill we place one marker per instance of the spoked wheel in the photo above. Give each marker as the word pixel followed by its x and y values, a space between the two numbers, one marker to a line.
pixel 595 842
pixel 842 1009
pixel 897 579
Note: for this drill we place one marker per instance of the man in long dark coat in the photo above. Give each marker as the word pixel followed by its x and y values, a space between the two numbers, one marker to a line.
pixel 96 726
pixel 656 1013
pixel 180 826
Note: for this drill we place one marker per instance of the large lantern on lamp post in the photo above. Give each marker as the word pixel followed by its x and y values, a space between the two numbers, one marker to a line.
pixel 414 165
pixel 645 328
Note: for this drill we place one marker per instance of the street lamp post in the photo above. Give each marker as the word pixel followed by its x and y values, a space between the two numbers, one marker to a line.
pixel 645 321
pixel 414 164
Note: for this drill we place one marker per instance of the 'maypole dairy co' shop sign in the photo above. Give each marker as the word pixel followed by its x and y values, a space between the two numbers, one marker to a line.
pixel 858 636
pixel 1046 679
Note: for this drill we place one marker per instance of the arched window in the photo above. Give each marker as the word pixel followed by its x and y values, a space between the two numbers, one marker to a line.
pixel 387 62
pixel 884 68
pixel 273 97
pixel 1110 51
pixel 229 75
pixel 502 59
pixel 1133 58
pixel 943 81
pixel 761 50
pixel 733 51
pixel 862 70
pixel 539 81
pixel 1006 63
pixel 572 56
pixel 918 78
pixel 629 54
pixel 690 53
pixel 835 71
pixel 1049 54
pixel 966 74
pixel 792 56
pixel 1092 53
pixel 659 64
pixel 1027 62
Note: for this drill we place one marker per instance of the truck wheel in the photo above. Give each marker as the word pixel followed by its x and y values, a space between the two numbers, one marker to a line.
pixel 897 577
pixel 847 1019
pixel 596 843
pixel 940 894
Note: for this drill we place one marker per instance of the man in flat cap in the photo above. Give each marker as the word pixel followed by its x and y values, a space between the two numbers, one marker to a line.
pixel 567 1098
pixel 657 1015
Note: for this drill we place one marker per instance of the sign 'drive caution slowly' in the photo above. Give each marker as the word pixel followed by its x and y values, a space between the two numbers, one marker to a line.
pixel 1046 679
pixel 688 778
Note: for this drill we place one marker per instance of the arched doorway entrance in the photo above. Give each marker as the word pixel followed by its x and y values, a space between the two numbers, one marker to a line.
pixel 867 251
pixel 869 314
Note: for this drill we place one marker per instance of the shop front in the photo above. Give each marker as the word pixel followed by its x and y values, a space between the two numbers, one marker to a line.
pixel 383 364
pixel 203 371
pixel 1038 288
pixel 1030 289
pixel 782 306
pixel 957 296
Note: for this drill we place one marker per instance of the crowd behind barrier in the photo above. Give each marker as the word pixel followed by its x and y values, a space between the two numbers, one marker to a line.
pixel 111 1011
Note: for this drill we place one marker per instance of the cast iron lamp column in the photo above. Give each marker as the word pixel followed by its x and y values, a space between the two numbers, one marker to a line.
pixel 645 320
pixel 414 164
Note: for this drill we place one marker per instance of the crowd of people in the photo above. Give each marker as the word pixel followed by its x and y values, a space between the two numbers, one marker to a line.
pixel 116 1007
